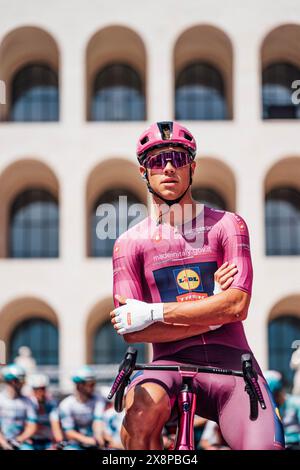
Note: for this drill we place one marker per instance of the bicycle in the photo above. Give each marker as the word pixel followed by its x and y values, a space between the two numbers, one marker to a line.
pixel 186 399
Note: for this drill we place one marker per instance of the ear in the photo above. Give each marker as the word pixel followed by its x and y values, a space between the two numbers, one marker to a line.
pixel 193 167
pixel 143 172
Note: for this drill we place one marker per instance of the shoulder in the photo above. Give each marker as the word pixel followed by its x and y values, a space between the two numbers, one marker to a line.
pixel 27 401
pixel 230 222
pixel 67 402
pixel 129 242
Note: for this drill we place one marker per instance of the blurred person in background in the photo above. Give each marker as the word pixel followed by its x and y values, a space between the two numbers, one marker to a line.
pixel 199 426
pixel 288 406
pixel 18 418
pixel 113 421
pixel 48 425
pixel 82 414
pixel 295 365
pixel 25 360
pixel 212 438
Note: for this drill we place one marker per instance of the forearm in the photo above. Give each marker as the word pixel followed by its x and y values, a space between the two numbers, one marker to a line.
pixel 28 432
pixel 226 307
pixel 2 439
pixel 165 332
pixel 76 436
pixel 56 431
pixel 100 433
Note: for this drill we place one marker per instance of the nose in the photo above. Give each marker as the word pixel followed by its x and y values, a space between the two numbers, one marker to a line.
pixel 169 168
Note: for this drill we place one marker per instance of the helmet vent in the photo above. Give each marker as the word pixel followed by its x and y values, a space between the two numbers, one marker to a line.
pixel 166 129
pixel 144 140
pixel 187 136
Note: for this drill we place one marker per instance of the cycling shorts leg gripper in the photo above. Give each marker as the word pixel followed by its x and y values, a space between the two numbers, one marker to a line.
pixel 169 380
pixel 240 433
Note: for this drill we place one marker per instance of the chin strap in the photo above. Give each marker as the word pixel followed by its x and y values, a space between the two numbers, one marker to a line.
pixel 167 201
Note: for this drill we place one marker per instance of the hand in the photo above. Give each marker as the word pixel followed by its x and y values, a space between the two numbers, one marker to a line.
pixel 89 441
pixel 103 439
pixel 135 315
pixel 5 445
pixel 224 277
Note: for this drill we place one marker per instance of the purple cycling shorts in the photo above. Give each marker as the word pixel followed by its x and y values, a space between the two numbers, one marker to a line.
pixel 223 399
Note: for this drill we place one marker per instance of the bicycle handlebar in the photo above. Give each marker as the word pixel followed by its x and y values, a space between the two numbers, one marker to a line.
pixel 129 365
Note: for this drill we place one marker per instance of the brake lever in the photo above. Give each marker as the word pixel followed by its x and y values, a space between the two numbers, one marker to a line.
pixel 250 377
pixel 125 370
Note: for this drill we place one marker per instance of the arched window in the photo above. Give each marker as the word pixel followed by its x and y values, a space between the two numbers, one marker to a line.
pixel 35 95
pixel 277 91
pixel 209 197
pixel 40 336
pixel 200 93
pixel 118 94
pixel 282 332
pixel 34 225
pixel 282 222
pixel 109 348
pixel 115 221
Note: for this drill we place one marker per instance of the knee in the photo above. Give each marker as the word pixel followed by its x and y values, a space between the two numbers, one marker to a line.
pixel 148 408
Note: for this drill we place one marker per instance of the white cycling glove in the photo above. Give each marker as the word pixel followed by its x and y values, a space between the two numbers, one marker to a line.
pixel 136 315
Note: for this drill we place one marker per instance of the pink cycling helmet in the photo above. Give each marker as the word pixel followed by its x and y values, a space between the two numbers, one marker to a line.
pixel 163 133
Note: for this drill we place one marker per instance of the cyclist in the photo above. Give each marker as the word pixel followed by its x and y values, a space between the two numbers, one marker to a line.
pixel 163 291
pixel 288 406
pixel 48 424
pixel 18 419
pixel 81 414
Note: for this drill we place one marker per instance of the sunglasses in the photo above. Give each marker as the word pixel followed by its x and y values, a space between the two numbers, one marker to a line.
pixel 159 161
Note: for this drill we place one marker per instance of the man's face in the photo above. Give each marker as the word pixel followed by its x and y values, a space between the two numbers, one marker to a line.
pixel 16 385
pixel 280 397
pixel 169 182
pixel 40 393
pixel 87 388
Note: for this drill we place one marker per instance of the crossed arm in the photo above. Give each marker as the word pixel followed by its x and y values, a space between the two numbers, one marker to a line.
pixel 187 319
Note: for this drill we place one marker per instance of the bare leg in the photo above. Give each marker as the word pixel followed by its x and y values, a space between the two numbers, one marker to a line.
pixel 147 410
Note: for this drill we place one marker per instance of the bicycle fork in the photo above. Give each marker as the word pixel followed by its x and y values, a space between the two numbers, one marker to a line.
pixel 186 407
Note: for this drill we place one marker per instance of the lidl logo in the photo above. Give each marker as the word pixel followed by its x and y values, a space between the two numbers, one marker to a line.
pixel 188 279
pixel 192 281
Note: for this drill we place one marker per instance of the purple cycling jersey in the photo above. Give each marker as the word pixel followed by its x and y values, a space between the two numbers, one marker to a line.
pixel 161 263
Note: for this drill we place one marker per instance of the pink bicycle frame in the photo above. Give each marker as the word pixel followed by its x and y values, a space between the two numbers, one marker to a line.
pixel 186 401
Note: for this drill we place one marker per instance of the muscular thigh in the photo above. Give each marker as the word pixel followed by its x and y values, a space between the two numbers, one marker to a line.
pixel 168 381
pixel 239 431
